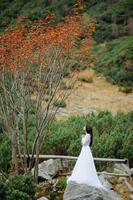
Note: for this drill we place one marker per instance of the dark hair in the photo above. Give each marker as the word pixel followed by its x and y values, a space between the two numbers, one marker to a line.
pixel 88 129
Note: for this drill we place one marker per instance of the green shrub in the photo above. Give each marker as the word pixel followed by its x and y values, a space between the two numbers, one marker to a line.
pixel 64 137
pixel 33 9
pixel 86 79
pixel 65 86
pixel 3 188
pixel 59 103
pixel 111 18
pixel 126 89
pixel 112 136
pixel 73 64
pixel 105 32
pixel 114 59
pixel 62 183
pixel 5 152
pixel 17 187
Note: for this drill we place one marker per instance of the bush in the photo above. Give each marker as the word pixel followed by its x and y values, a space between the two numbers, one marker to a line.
pixel 114 60
pixel 62 183
pixel 105 32
pixel 74 65
pixel 17 187
pixel 3 187
pixel 5 152
pixel 112 136
pixel 64 137
pixel 86 79
pixel 59 103
pixel 33 9
pixel 110 14
pixel 65 86
pixel 126 89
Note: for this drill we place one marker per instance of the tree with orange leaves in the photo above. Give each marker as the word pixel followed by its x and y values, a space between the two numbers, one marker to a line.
pixel 32 62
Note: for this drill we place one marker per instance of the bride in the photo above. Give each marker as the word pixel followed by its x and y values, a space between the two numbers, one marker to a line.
pixel 84 171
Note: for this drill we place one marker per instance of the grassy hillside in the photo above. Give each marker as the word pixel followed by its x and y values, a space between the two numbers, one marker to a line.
pixel 10 10
pixel 113 33
pixel 115 60
pixel 114 19
pixel 114 40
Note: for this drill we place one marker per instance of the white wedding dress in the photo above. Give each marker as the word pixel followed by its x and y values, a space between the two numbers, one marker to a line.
pixel 84 171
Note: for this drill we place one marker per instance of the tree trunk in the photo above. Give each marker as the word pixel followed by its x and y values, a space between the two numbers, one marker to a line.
pixel 26 154
pixel 37 160
pixel 14 152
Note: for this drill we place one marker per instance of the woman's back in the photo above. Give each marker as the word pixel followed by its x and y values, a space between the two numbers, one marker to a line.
pixel 86 139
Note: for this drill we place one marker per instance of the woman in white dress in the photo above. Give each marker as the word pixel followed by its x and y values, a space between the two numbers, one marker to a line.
pixel 84 171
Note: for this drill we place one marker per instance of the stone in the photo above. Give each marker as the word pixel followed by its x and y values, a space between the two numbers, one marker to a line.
pixel 48 169
pixel 131 170
pixel 76 191
pixel 105 182
pixel 42 198
pixel 122 179
pixel 86 111
pixel 122 168
pixel 117 171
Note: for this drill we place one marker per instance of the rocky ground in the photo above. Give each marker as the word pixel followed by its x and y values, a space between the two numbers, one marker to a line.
pixel 53 185
pixel 92 93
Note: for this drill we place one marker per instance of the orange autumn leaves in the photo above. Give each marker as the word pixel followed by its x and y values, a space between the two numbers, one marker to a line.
pixel 21 46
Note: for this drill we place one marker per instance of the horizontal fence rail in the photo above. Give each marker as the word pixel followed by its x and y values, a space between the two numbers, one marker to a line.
pixel 100 173
pixel 125 161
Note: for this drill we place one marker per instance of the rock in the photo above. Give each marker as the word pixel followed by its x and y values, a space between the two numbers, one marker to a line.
pixel 131 197
pixel 86 111
pixel 122 179
pixel 117 171
pixel 76 191
pixel 48 169
pixel 116 98
pixel 42 198
pixel 131 170
pixel 122 168
pixel 105 182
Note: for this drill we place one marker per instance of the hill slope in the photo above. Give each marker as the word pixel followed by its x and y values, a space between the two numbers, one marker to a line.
pixel 113 34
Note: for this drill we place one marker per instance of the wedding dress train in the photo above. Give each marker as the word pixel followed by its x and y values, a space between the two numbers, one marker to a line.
pixel 84 171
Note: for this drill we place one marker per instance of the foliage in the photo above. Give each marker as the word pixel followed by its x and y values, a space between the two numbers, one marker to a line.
pixel 5 153
pixel 3 187
pixel 19 46
pixel 33 9
pixel 126 90
pixel 86 79
pixel 115 61
pixel 36 9
pixel 113 57
pixel 113 136
pixel 59 103
pixel 62 183
pixel 66 86
pixel 5 150
pixel 32 59
pixel 17 187
pixel 113 18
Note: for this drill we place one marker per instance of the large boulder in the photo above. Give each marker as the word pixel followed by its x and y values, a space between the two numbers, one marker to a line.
pixel 131 170
pixel 122 169
pixel 76 191
pixel 48 169
pixel 103 179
